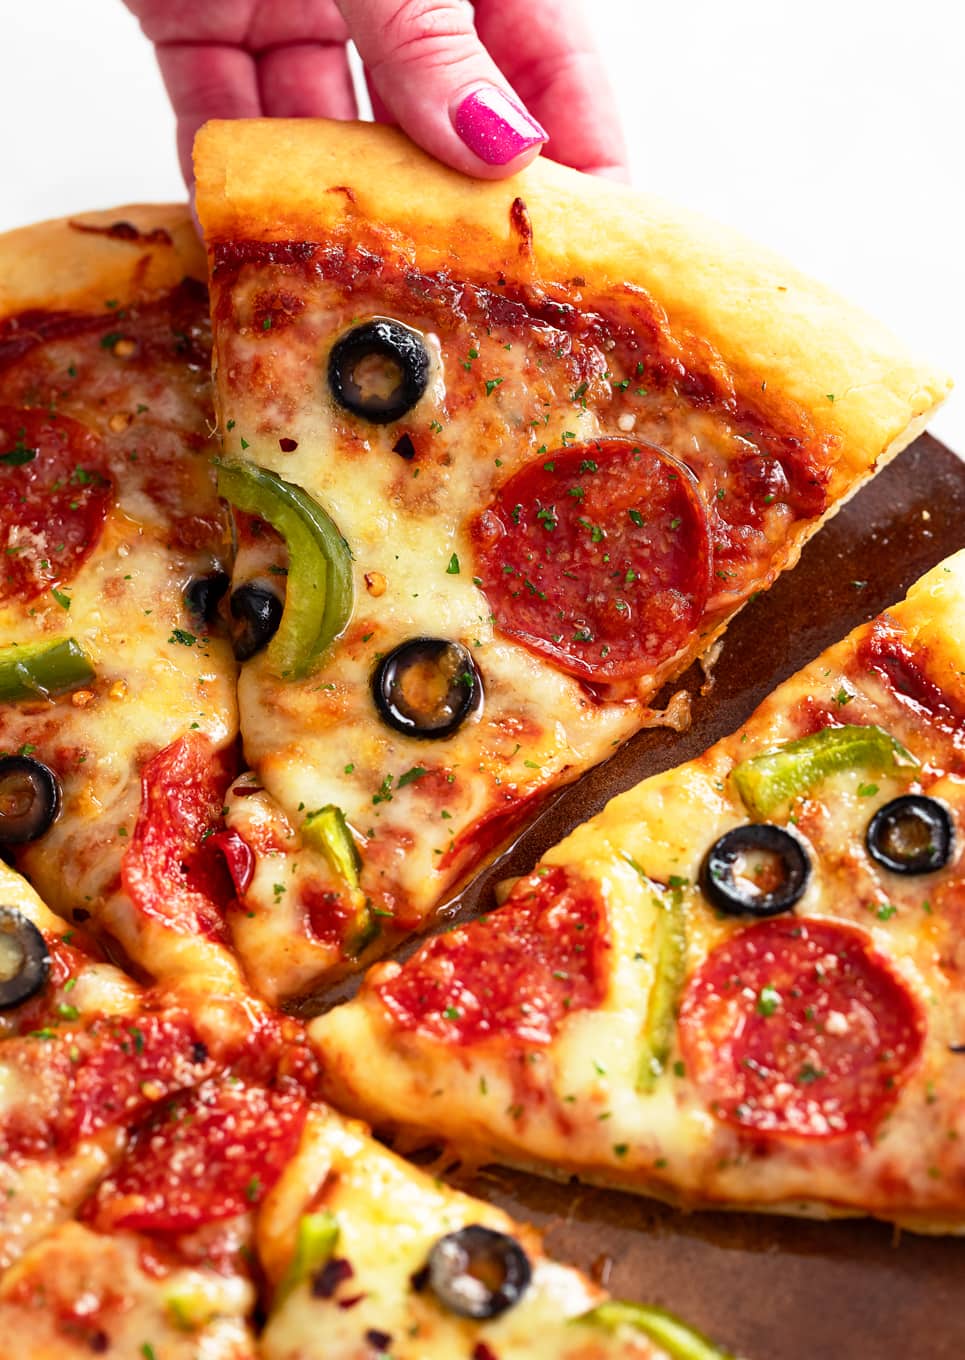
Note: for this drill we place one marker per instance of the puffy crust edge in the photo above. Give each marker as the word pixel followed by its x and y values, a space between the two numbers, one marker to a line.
pixel 57 265
pixel 771 324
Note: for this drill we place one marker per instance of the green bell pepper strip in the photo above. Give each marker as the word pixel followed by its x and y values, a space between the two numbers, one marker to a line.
pixel 319 594
pixel 315 1240
pixel 669 951
pixel 677 1339
pixel 327 830
pixel 767 781
pixel 42 669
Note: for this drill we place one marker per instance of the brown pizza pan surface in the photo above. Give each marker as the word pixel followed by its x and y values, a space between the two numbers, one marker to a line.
pixel 768 1287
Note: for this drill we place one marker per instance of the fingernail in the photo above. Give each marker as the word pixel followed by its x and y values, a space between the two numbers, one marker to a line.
pixel 494 127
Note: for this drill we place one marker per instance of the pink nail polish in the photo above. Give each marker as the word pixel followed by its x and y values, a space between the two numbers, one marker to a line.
pixel 494 127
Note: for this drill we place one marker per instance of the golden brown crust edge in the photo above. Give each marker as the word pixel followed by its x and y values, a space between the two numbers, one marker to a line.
pixel 71 263
pixel 771 324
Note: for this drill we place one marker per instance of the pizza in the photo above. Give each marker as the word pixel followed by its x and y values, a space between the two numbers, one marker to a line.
pixel 743 982
pixel 285 659
pixel 166 1159
pixel 503 459
pixel 166 1177
pixel 118 719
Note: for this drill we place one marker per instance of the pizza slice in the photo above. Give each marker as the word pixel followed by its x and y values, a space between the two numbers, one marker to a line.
pixel 118 717
pixel 504 458
pixel 743 982
pixel 367 1256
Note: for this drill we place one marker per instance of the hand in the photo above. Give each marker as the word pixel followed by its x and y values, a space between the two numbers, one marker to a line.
pixel 445 71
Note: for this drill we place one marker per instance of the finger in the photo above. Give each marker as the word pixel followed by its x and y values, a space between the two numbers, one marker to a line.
pixel 549 56
pixel 251 24
pixel 307 80
pixel 207 82
pixel 427 65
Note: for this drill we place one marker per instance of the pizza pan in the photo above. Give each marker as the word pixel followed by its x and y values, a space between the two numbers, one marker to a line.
pixel 769 1287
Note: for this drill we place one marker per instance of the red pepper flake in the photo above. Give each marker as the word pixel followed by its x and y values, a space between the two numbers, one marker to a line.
pixel 288 445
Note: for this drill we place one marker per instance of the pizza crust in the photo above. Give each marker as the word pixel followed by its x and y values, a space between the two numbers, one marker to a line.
pixel 71 263
pixel 774 328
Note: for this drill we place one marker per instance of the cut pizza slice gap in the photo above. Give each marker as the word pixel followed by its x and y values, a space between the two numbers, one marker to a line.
pixel 740 984
pixel 504 459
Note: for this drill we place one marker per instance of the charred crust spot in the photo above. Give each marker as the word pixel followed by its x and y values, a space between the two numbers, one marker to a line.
pixel 125 231
pixel 520 222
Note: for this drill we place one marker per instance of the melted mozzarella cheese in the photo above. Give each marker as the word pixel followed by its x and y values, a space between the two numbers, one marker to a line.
pixel 580 1107
pixel 389 1216
pixel 127 612
pixel 320 741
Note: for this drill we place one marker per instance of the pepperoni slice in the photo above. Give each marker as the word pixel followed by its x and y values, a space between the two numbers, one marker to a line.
pixel 170 872
pixel 598 557
pixel 54 498
pixel 515 973
pixel 214 1154
pixel 799 1027
pixel 77 1080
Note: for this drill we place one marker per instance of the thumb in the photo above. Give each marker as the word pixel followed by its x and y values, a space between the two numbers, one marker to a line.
pixel 428 67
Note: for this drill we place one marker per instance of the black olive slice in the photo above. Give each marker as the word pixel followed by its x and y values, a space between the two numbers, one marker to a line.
pixel 911 835
pixel 379 370
pixel 29 799
pixel 427 687
pixel 204 594
pixel 256 613
pixel 738 886
pixel 24 958
pixel 478 1272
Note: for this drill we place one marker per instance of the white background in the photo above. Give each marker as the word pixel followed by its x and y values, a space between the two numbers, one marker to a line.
pixel 832 130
